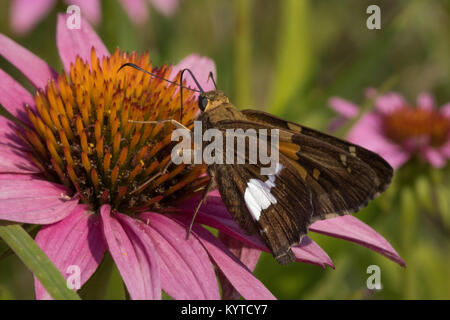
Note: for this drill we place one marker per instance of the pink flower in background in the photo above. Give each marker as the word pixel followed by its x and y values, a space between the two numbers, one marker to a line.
pixel 397 130
pixel 76 166
pixel 26 14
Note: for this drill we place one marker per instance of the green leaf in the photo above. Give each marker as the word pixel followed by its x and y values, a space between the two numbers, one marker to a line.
pixel 5 251
pixel 37 261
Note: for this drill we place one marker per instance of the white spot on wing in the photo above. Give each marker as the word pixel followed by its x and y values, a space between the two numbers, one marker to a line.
pixel 257 195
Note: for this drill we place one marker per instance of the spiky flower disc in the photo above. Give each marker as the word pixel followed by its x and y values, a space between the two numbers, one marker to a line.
pixel 82 136
pixel 407 123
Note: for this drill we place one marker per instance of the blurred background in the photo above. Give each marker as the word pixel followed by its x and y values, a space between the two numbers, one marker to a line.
pixel 289 57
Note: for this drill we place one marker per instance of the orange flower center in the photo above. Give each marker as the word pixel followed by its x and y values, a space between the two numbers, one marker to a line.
pixel 82 136
pixel 407 123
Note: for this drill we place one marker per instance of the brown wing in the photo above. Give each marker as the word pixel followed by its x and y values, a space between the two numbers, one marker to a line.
pixel 382 169
pixel 284 221
pixel 339 180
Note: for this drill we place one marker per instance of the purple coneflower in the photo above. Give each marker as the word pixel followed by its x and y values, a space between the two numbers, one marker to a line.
pixel 72 162
pixel 397 130
pixel 26 14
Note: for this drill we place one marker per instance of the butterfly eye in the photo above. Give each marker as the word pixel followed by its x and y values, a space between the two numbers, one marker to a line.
pixel 202 102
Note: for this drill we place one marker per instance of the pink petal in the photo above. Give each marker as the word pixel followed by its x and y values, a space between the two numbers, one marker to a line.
pixel 136 9
pixel 15 161
pixel 200 67
pixel 389 102
pixel 90 9
pixel 445 149
pixel 166 7
pixel 214 213
pixel 310 252
pixel 247 255
pixel 425 101
pixel 236 272
pixel 77 42
pixel 186 271
pixel 337 123
pixel 14 156
pixel 25 14
pixel 343 107
pixel 14 97
pixel 14 176
pixel 37 71
pixel 8 135
pixel 368 133
pixel 351 229
pixel 133 253
pixel 445 109
pixel 434 157
pixel 76 241
pixel 34 201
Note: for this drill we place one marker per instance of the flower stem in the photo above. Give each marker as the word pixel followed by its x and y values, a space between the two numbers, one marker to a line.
pixel 367 106
pixel 408 229
pixel 243 52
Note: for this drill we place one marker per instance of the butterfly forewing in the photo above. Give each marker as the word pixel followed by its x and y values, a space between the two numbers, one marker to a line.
pixel 382 169
pixel 314 180
pixel 341 183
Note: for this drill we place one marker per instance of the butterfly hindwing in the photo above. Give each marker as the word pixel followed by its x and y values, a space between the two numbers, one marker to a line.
pixel 278 207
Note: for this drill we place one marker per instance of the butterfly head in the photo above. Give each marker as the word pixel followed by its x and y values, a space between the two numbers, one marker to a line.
pixel 211 99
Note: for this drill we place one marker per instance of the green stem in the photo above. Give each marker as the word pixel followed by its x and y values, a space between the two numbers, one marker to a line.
pixel 408 230
pixel 37 261
pixel 295 58
pixel 366 106
pixel 243 53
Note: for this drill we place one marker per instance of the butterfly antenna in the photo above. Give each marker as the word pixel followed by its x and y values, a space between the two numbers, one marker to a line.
pixel 211 76
pixel 181 86
pixel 132 65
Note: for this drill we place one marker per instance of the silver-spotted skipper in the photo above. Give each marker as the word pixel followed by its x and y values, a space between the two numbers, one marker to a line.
pixel 318 176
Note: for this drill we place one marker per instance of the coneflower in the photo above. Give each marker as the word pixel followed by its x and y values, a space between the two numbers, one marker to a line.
pixel 399 130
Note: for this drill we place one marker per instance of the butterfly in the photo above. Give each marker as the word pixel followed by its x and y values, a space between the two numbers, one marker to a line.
pixel 317 176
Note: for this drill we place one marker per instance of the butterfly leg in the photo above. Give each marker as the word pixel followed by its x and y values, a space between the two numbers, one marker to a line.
pixel 146 183
pixel 204 196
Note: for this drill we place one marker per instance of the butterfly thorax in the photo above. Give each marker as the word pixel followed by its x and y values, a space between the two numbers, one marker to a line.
pixel 218 109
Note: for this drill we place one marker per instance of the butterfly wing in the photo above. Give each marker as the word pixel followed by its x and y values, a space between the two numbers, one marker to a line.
pixel 318 179
pixel 382 169
pixel 340 181
pixel 278 207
